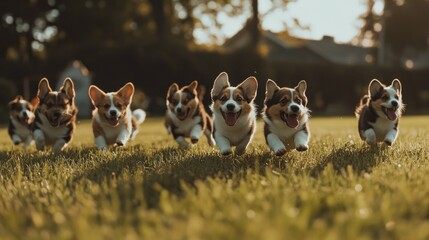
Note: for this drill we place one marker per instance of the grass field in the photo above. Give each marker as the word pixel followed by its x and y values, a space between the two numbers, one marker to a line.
pixel 339 189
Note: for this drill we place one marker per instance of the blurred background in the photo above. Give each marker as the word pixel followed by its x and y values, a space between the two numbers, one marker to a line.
pixel 338 46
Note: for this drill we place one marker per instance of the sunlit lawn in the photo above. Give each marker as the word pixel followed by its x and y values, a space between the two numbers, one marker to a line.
pixel 339 189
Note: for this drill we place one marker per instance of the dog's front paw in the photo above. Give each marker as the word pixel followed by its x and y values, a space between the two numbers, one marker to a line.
pixel 280 152
pixel 40 145
pixel 226 152
pixel 302 148
pixel 16 142
pixel 194 140
pixel 388 142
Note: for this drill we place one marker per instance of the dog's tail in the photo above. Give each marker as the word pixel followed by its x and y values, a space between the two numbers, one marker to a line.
pixel 140 115
pixel 362 104
pixel 201 90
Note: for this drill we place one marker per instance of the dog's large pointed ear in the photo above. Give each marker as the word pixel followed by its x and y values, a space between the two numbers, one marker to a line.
pixel 301 88
pixel 374 87
pixel 95 94
pixel 220 83
pixel 271 88
pixel 396 84
pixel 43 88
pixel 193 86
pixel 172 89
pixel 126 92
pixel 35 102
pixel 68 88
pixel 250 87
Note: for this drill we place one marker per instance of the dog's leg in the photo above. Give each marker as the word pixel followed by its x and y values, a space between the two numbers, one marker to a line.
pixel 370 136
pixel 39 137
pixel 59 145
pixel 223 144
pixel 210 138
pixel 196 133
pixel 16 139
pixel 123 137
pixel 301 141
pixel 100 142
pixel 27 142
pixel 276 144
pixel 391 137
pixel 240 149
pixel 182 142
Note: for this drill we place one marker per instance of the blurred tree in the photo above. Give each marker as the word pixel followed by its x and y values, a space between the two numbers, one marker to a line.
pixel 403 24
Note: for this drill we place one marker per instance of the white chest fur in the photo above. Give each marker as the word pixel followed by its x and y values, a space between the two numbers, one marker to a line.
pixel 184 127
pixel 382 126
pixel 235 134
pixel 51 133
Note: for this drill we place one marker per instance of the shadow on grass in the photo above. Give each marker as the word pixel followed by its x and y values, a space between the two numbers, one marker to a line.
pixel 361 159
pixel 169 168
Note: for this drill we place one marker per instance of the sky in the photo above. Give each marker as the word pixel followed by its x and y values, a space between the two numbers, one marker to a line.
pixel 336 18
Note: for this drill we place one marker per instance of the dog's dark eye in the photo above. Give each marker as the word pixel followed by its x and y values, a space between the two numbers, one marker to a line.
pixel 49 104
pixel 298 101
pixel 119 105
pixel 284 101
pixel 385 97
pixel 223 98
pixel 106 105
pixel 396 96
pixel 238 99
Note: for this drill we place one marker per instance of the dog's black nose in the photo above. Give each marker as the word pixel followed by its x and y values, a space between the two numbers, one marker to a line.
pixel 294 108
pixel 57 114
pixel 230 107
pixel 112 113
pixel 179 110
pixel 394 103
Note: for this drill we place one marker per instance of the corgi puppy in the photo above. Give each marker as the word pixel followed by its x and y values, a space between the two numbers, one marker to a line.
pixel 113 122
pixel 21 117
pixel 186 116
pixel 234 116
pixel 379 112
pixel 286 118
pixel 56 113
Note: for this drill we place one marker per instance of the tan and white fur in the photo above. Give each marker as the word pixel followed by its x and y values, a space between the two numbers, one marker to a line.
pixel 21 117
pixel 113 122
pixel 234 116
pixel 55 120
pixel 379 112
pixel 286 118
pixel 186 116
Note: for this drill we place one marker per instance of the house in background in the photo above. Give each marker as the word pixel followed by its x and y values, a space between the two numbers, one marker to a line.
pixel 283 47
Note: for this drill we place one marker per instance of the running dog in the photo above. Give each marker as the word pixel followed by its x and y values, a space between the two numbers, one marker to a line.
pixel 113 122
pixel 234 115
pixel 21 117
pixel 379 112
pixel 186 116
pixel 286 118
pixel 56 113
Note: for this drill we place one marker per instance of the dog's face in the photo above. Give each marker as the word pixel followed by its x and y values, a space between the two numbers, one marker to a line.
pixel 22 111
pixel 386 100
pixel 57 106
pixel 286 104
pixel 233 102
pixel 182 102
pixel 112 106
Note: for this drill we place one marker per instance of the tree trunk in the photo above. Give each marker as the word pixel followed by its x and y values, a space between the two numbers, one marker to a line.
pixel 159 16
pixel 254 24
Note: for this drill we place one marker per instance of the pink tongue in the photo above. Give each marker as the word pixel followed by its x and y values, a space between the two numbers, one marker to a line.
pixel 230 118
pixel 391 114
pixel 112 121
pixel 292 122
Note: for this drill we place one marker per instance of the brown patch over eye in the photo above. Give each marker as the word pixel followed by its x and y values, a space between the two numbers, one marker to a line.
pixel 224 98
pixel 385 97
pixel 284 101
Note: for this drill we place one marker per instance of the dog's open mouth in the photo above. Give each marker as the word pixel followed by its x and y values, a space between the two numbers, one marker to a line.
pixel 55 121
pixel 231 117
pixel 24 120
pixel 390 113
pixel 182 115
pixel 113 120
pixel 291 120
